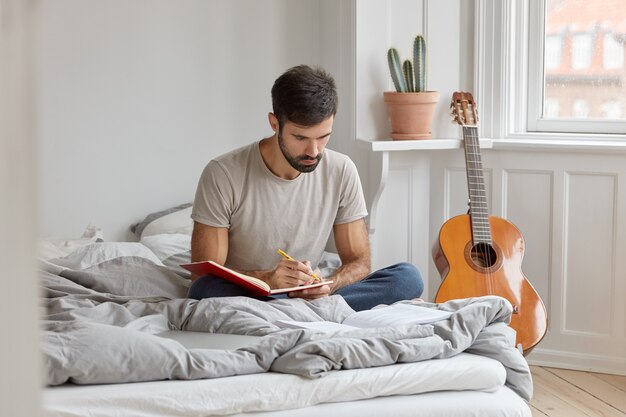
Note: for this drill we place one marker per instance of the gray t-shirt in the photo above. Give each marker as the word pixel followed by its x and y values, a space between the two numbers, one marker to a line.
pixel 264 213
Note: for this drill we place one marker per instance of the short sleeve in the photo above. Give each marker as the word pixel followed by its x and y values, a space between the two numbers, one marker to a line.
pixel 351 202
pixel 214 201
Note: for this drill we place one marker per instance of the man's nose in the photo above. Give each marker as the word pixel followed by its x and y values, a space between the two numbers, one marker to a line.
pixel 312 148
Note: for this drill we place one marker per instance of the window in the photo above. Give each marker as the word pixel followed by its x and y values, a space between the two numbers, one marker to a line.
pixel 581 50
pixel 612 109
pixel 613 57
pixel 559 71
pixel 594 82
pixel 580 109
pixel 553 51
pixel 551 109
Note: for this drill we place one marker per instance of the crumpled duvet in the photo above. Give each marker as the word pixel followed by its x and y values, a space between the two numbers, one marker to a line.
pixel 100 322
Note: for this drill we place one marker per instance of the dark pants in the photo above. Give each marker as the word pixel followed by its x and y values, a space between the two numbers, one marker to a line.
pixel 397 282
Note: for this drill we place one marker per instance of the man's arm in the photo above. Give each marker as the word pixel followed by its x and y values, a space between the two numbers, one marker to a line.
pixel 353 246
pixel 208 243
pixel 211 243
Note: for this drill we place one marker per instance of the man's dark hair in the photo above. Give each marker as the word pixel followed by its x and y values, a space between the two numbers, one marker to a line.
pixel 305 96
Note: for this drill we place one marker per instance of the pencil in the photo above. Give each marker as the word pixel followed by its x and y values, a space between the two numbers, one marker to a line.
pixel 284 255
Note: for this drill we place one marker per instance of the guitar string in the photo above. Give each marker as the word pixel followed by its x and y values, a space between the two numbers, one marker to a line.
pixel 480 204
pixel 482 248
pixel 477 249
pixel 486 246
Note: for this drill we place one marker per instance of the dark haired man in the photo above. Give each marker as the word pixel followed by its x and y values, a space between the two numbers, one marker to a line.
pixel 288 191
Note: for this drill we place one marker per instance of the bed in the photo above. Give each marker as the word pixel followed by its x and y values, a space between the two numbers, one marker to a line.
pixel 120 338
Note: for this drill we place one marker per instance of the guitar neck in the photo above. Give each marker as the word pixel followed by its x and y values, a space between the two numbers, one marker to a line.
pixel 479 211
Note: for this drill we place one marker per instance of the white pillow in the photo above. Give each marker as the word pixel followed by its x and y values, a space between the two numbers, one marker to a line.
pixel 172 249
pixel 172 220
pixel 165 245
pixel 50 248
pixel 176 222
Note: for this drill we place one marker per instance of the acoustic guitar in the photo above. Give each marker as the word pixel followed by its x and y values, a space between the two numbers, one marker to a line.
pixel 478 254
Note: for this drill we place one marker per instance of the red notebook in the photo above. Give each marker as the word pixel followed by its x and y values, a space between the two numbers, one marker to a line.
pixel 253 284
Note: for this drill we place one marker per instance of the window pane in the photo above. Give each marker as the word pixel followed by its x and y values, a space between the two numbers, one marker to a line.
pixel 613 51
pixel 551 108
pixel 553 51
pixel 612 110
pixel 580 109
pixel 581 51
pixel 584 72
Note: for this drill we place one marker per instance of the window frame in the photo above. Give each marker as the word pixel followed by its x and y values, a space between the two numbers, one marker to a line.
pixel 509 51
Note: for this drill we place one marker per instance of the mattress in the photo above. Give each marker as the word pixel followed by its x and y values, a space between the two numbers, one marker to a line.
pixel 198 398
pixel 501 403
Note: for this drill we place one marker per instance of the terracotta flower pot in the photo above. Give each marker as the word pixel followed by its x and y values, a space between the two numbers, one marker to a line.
pixel 411 114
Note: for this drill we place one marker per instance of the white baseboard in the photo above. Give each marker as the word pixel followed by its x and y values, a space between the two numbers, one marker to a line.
pixel 577 361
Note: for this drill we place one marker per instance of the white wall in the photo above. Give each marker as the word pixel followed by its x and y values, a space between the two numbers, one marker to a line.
pixel 136 96
pixel 382 24
pixel 19 350
pixel 337 39
pixel 395 23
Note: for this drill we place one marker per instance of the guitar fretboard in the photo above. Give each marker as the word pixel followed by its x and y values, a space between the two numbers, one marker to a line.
pixel 479 211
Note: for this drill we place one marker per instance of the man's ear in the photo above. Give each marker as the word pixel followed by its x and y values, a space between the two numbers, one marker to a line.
pixel 273 122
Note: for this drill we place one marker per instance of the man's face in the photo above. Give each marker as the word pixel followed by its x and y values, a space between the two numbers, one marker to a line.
pixel 303 146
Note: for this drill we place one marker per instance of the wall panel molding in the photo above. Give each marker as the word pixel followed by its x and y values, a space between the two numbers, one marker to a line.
pixel 559 358
pixel 589 246
pixel 571 209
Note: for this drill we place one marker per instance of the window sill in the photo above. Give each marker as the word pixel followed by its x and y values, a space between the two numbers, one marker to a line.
pixel 531 143
pixel 561 145
pixel 388 145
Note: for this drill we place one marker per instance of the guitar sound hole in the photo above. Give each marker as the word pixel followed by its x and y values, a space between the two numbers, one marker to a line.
pixel 484 255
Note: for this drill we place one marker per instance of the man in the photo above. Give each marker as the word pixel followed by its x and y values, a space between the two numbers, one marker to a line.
pixel 288 192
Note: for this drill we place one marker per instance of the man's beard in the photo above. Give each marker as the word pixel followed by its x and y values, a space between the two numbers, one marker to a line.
pixel 294 161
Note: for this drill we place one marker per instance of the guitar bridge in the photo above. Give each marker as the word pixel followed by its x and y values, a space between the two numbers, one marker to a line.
pixel 515 309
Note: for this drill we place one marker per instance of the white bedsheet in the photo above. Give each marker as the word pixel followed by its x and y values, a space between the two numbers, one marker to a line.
pixel 501 403
pixel 274 391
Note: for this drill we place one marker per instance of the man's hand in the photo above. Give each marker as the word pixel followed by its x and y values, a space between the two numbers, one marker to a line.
pixel 312 293
pixel 291 273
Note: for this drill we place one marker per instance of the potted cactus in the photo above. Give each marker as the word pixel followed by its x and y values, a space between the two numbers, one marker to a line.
pixel 410 107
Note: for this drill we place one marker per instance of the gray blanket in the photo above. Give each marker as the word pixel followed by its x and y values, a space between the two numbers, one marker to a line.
pixel 99 327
